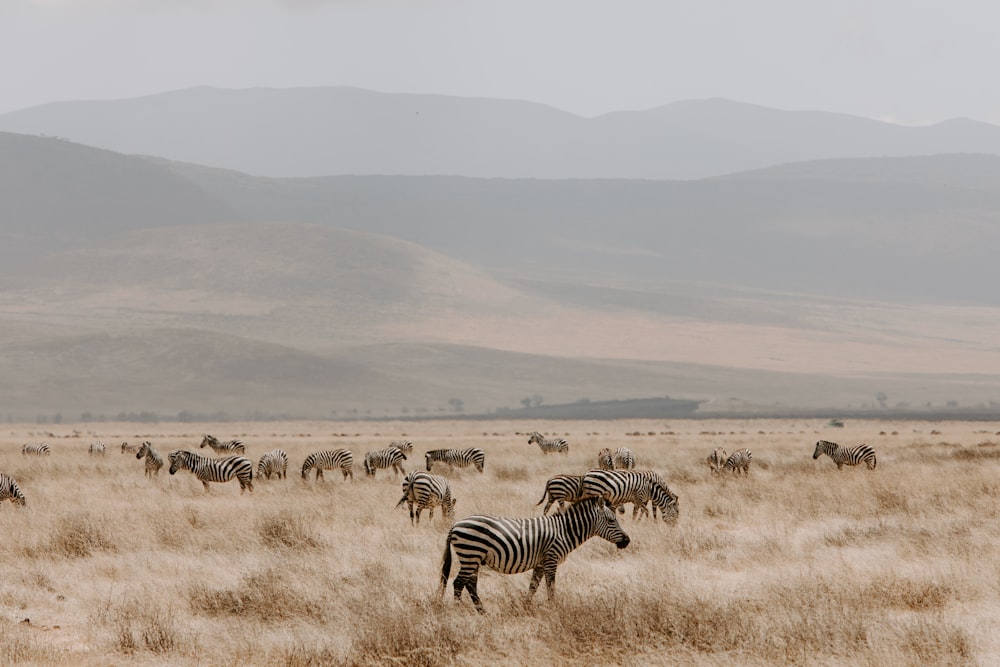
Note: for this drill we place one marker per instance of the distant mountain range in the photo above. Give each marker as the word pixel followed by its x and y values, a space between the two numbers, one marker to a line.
pixel 349 131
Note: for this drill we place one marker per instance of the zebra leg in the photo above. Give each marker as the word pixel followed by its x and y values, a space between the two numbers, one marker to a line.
pixel 536 578
pixel 319 474
pixel 419 510
pixel 206 486
pixel 410 504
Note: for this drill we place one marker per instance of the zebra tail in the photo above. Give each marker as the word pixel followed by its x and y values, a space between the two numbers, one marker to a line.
pixel 446 565
pixel 401 501
pixel 545 494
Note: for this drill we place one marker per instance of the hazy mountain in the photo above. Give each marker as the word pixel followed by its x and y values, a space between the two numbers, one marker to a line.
pixel 339 131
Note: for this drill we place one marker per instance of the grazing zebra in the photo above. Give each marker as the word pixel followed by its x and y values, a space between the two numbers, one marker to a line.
pixel 427 490
pixel 638 487
pixel 10 489
pixel 390 457
pixel 329 459
pixel 562 489
pixel 549 445
pixel 153 459
pixel 622 458
pixel 274 462
pixel 214 470
pixel 456 457
pixel 842 456
pixel 35 449
pixel 97 448
pixel 131 449
pixel 511 546
pixel 717 459
pixel 228 447
pixel 739 460
pixel 404 446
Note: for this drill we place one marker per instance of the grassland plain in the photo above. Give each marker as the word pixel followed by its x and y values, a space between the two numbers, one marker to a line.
pixel 799 564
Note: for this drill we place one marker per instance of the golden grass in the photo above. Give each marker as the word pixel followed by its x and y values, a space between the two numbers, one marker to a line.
pixel 798 564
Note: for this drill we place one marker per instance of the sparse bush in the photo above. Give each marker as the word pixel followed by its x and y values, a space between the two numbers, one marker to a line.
pixel 511 473
pixel 79 536
pixel 287 531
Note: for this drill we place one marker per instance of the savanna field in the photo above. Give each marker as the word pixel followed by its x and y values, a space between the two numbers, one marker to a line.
pixel 797 564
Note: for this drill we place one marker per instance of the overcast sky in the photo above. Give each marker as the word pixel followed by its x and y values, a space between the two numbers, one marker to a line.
pixel 906 61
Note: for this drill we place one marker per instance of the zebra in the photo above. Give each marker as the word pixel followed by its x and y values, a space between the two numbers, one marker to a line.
pixel 390 457
pixel 404 446
pixel 851 456
pixel 456 457
pixel 97 448
pixel 549 445
pixel 739 460
pixel 214 470
pixel 622 458
pixel 427 490
pixel 638 487
pixel 131 449
pixel 10 490
pixel 562 489
pixel 512 546
pixel 153 459
pixel 274 462
pixel 717 459
pixel 329 459
pixel 35 449
pixel 228 447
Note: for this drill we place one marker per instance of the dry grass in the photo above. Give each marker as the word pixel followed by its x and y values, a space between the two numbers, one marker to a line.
pixel 798 564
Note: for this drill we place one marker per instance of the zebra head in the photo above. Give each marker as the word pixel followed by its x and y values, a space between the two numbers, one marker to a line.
pixel 208 440
pixel 143 448
pixel 669 508
pixel 535 437
pixel 606 524
pixel 823 447
pixel 448 507
pixel 369 466
pixel 178 460
pixel 428 460
pixel 717 459
pixel 605 460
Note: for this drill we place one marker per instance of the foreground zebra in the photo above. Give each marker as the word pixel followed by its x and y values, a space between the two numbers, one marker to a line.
pixel 462 458
pixel 274 462
pixel 426 490
pixel 96 448
pixel 131 449
pixel 390 457
pixel 228 447
pixel 329 459
pixel 404 446
pixel 511 546
pixel 153 459
pixel 214 470
pixel 842 456
pixel 620 459
pixel 717 459
pixel 739 460
pixel 35 449
pixel 549 445
pixel 638 487
pixel 10 490
pixel 562 489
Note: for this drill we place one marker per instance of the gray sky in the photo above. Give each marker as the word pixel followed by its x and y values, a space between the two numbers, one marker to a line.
pixel 908 61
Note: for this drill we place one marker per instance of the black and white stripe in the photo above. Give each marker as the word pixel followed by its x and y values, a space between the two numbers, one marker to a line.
pixel 638 487
pixel 274 462
pixel 717 459
pixel 9 490
pixel 35 449
pixel 228 447
pixel 404 446
pixel 462 458
pixel 511 546
pixel 562 489
pixel 549 445
pixel 214 470
pixel 620 459
pixel 390 457
pixel 329 459
pixel 739 460
pixel 426 490
pixel 153 459
pixel 97 448
pixel 842 456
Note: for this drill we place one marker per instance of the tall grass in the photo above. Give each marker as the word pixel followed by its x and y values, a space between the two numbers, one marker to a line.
pixel 799 564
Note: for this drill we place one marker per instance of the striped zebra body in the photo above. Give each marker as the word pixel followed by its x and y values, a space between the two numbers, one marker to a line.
pixel 329 459
pixel 35 449
pixel 9 490
pixel 130 449
pixel 511 546
pixel 97 448
pixel 274 462
pixel 549 445
pixel 214 470
pixel 620 459
pixel 717 459
pixel 462 458
pixel 228 447
pixel 426 490
pixel 842 456
pixel 638 487
pixel 739 460
pixel 562 489
pixel 153 459
pixel 404 446
pixel 390 457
